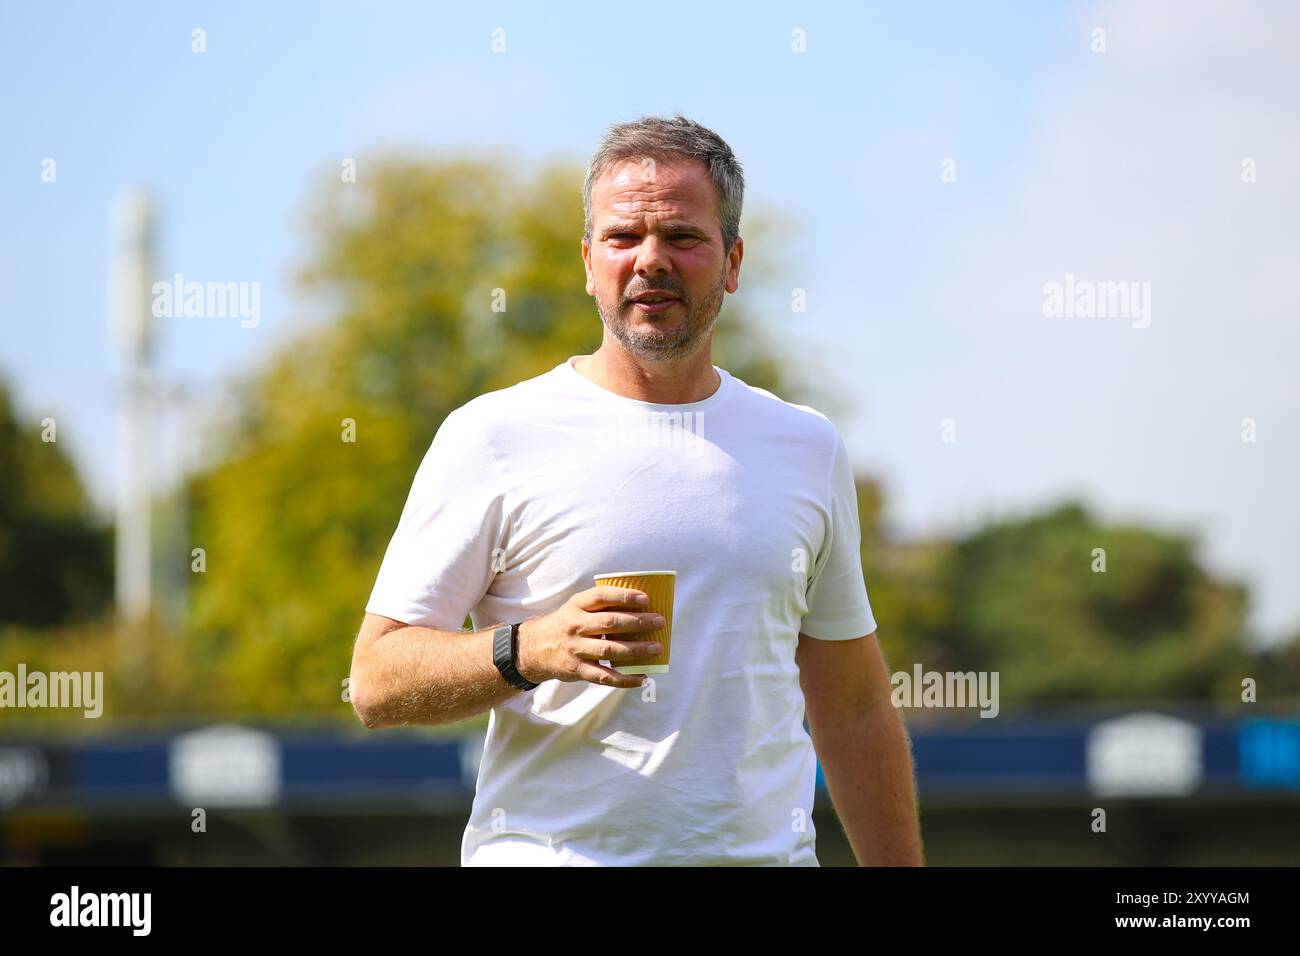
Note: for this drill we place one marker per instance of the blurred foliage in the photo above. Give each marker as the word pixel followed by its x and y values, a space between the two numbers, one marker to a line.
pixel 1028 598
pixel 55 558
pixel 160 684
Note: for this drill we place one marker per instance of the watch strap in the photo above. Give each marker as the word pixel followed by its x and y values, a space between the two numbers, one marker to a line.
pixel 505 655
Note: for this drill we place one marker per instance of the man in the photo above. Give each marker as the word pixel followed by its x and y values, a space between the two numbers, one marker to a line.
pixel 529 491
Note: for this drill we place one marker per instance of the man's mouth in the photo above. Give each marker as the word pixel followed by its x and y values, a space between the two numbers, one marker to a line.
pixel 655 303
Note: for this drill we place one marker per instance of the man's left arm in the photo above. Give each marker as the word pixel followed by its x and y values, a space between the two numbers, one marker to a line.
pixel 863 748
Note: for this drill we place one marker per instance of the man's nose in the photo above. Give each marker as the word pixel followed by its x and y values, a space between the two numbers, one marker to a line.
pixel 652 256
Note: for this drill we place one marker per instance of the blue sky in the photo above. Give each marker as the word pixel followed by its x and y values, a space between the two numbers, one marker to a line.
pixel 925 297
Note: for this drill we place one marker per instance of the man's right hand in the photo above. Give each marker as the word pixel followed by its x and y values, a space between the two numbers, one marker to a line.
pixel 567 643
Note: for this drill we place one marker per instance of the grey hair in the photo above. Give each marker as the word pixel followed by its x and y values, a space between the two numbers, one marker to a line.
pixel 665 140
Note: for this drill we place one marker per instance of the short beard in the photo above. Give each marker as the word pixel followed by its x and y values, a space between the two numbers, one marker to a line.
pixel 681 343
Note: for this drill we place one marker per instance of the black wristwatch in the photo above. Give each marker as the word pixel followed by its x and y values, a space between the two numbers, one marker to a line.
pixel 505 655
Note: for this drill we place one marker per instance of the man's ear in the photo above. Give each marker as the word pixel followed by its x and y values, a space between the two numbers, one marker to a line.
pixel 586 264
pixel 733 264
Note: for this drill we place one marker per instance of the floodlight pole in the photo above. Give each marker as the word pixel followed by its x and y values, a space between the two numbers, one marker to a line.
pixel 133 329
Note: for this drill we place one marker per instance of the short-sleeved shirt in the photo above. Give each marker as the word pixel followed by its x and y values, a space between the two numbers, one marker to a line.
pixel 526 494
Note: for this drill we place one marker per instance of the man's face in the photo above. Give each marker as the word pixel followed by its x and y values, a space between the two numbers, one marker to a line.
pixel 655 228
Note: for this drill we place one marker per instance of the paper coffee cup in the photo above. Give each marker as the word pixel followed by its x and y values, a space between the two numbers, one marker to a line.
pixel 658 586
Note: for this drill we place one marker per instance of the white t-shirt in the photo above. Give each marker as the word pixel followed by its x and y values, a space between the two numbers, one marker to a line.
pixel 529 491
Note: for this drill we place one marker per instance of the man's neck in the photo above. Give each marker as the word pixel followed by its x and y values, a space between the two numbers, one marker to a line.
pixel 660 383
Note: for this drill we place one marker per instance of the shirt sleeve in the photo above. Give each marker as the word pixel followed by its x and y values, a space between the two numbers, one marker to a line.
pixel 838 607
pixel 443 556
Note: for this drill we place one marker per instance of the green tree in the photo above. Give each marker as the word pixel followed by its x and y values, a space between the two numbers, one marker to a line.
pixel 1029 599
pixel 55 557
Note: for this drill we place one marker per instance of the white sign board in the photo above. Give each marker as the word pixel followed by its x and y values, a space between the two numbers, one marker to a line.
pixel 1145 754
pixel 225 765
